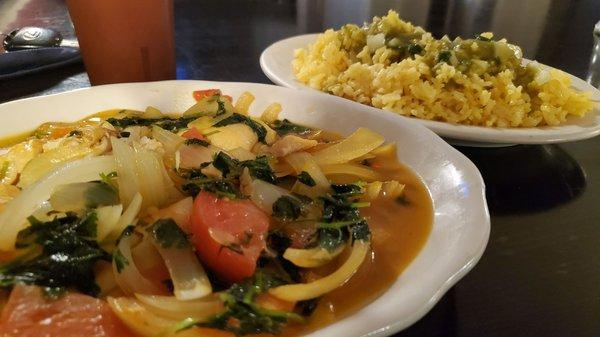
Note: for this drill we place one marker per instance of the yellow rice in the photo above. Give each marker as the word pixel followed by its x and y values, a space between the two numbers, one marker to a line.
pixel 341 63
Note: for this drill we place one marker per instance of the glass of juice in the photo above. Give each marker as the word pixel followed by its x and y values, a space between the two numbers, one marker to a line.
pixel 125 40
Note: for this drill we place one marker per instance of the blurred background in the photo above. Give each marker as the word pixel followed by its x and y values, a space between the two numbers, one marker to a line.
pixel 554 32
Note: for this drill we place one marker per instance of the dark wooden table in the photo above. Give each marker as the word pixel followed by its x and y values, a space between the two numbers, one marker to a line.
pixel 540 274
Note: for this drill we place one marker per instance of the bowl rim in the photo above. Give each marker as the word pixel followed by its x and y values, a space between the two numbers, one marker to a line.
pixel 470 133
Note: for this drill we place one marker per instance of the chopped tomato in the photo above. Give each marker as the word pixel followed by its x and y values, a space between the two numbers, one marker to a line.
pixel 192 133
pixel 229 235
pixel 200 94
pixel 29 313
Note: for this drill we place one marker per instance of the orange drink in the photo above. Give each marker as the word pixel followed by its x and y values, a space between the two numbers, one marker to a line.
pixel 125 40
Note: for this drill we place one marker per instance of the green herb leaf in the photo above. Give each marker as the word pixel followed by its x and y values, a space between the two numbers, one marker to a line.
pixel 196 141
pixel 361 231
pixel 236 118
pixel 444 56
pixel 285 127
pixel 224 163
pixel 260 169
pixel 120 260
pixel 243 316
pixel 305 178
pixel 167 123
pixel 331 239
pixel 64 254
pixel 221 188
pixel 414 49
pixel 221 109
pixel 168 234
pixel 232 168
pixel 287 208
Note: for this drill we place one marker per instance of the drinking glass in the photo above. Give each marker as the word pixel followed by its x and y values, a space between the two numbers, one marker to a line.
pixel 125 40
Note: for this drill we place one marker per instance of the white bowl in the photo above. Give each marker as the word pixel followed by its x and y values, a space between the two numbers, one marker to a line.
pixel 276 61
pixel 461 221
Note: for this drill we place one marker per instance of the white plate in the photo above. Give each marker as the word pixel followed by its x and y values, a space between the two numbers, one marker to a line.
pixel 461 221
pixel 276 61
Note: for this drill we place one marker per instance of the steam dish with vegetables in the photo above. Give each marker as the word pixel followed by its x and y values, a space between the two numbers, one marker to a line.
pixel 396 66
pixel 209 223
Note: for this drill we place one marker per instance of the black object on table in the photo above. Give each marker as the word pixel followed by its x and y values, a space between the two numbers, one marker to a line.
pixel 540 274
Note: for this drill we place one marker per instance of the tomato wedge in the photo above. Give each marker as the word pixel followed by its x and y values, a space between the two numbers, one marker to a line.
pixel 229 235
pixel 28 313
pixel 193 133
pixel 200 94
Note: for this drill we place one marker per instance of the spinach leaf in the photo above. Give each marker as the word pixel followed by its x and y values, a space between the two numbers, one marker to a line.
pixel 285 127
pixel 260 169
pixel 236 118
pixel 65 254
pixel 305 178
pixel 243 316
pixel 341 217
pixel 331 239
pixel 167 123
pixel 444 56
pixel 221 187
pixel 120 260
pixel 232 168
pixel 196 141
pixel 414 49
pixel 168 234
pixel 287 208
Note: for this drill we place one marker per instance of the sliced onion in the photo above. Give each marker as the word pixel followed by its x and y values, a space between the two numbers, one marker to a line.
pixel 241 154
pixel 190 281
pixel 108 218
pixel 77 196
pixel 242 105
pixel 142 171
pixel 180 212
pixel 271 113
pixel 302 161
pixel 192 156
pixel 130 279
pixel 126 170
pixel 171 307
pixel 312 257
pixel 264 194
pixel 148 261
pixel 359 171
pixel 306 291
pixel 152 112
pixel 361 142
pixel 127 218
pixel 233 136
pixel 169 140
pixel 138 318
pixel 13 217
pixel 290 144
pixel 105 278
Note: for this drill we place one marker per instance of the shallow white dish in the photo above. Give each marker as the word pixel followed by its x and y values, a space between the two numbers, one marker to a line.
pixel 276 61
pixel 461 220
